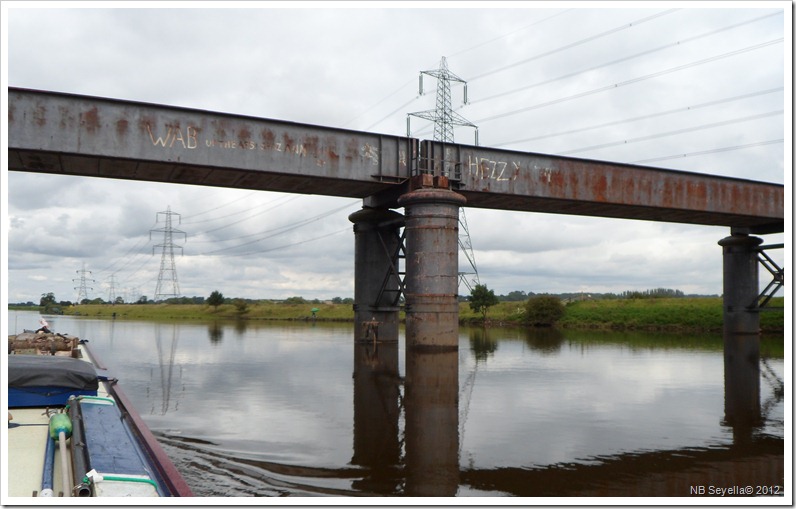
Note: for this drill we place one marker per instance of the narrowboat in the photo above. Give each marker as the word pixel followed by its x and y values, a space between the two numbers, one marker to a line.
pixel 72 431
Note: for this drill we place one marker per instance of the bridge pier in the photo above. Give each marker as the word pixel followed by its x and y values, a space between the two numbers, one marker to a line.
pixel 741 331
pixel 432 264
pixel 377 283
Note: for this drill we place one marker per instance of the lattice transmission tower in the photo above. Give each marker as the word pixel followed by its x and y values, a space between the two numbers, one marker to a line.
pixel 83 288
pixel 112 289
pixel 445 119
pixel 167 277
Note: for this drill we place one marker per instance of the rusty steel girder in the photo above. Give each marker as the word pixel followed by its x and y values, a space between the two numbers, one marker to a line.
pixel 510 180
pixel 90 136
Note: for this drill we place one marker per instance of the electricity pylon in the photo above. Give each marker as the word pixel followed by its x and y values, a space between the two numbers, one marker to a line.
pixel 82 288
pixel 112 289
pixel 443 116
pixel 168 270
pixel 444 119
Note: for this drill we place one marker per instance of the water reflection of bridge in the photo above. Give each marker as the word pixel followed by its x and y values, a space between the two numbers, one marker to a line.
pixel 421 454
pixel 431 466
pixel 755 462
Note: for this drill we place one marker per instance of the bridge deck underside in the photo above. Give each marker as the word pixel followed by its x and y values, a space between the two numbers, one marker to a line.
pixel 67 164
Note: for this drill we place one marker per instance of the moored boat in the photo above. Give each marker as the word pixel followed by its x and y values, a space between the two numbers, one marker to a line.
pixel 72 431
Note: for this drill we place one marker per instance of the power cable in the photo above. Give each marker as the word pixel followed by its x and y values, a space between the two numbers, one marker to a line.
pixel 632 80
pixel 576 43
pixel 624 59
pixel 379 102
pixel 347 229
pixel 224 226
pixel 643 117
pixel 675 132
pixel 509 33
pixel 282 230
pixel 711 151
pixel 236 200
pixel 403 106
pixel 135 247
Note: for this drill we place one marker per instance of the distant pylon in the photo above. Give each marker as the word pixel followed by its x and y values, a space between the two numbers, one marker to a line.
pixel 82 288
pixel 168 270
pixel 444 119
pixel 112 289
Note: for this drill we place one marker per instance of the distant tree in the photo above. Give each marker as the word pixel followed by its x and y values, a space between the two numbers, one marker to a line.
pixel 481 299
pixel 241 306
pixel 47 299
pixel 543 310
pixel 215 299
pixel 142 300
pixel 515 296
pixel 295 300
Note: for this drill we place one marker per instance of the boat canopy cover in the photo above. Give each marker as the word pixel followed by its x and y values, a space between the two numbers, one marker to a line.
pixel 51 371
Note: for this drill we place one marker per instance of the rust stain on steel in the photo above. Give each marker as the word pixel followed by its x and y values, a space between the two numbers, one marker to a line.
pixel 40 115
pixel 145 124
pixel 268 137
pixel 221 129
pixel 121 127
pixel 311 144
pixel 90 120
pixel 289 143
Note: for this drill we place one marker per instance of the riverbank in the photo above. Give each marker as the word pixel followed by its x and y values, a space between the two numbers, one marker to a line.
pixel 675 314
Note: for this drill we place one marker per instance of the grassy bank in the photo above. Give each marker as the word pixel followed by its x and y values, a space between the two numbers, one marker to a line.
pixel 259 311
pixel 704 314
pixel 676 314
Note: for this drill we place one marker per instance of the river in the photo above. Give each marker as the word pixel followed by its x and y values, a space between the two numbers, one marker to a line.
pixel 298 409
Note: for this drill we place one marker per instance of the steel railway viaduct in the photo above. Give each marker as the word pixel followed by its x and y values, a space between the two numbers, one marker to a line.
pixel 90 136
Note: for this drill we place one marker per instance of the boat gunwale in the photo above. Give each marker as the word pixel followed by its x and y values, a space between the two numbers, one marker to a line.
pixel 166 470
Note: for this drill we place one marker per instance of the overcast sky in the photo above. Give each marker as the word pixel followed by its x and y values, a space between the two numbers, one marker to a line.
pixel 702 87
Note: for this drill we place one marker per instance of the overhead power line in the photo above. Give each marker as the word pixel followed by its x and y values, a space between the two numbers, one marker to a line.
pixel 526 27
pixel 710 151
pixel 236 200
pixel 298 243
pixel 643 117
pixel 281 230
pixel 632 80
pixel 673 133
pixel 576 43
pixel 624 59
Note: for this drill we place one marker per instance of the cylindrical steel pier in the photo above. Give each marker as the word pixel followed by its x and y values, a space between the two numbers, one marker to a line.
pixel 432 267
pixel 741 330
pixel 376 281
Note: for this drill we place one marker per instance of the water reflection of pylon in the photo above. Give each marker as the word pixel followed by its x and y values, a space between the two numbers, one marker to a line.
pixel 777 387
pixel 166 369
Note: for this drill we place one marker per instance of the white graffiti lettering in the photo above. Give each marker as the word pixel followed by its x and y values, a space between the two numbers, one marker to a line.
pixel 174 134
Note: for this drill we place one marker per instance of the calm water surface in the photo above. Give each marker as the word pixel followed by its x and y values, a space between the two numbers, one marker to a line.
pixel 299 409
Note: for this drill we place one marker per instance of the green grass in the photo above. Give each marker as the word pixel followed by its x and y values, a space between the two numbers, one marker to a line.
pixel 702 314
pixel 676 314
pixel 259 311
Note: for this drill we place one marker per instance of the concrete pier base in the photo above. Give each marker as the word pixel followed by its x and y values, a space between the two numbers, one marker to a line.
pixel 432 266
pixel 741 331
pixel 376 282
